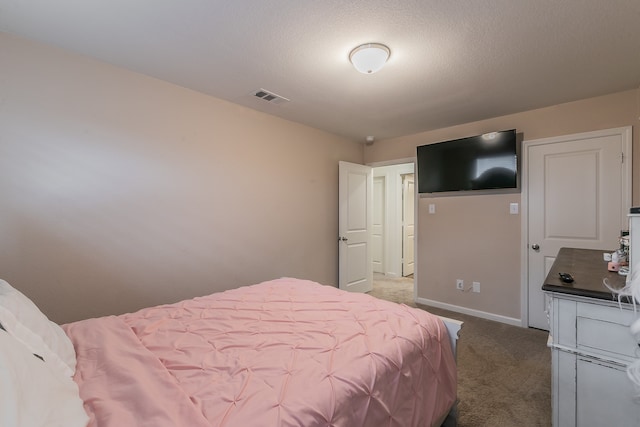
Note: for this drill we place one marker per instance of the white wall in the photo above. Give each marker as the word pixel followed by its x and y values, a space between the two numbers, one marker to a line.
pixel 475 237
pixel 121 191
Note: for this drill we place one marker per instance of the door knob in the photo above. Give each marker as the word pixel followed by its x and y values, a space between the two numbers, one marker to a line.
pixel 535 247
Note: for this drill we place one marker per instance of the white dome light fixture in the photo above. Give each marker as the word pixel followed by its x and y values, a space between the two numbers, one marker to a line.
pixel 369 57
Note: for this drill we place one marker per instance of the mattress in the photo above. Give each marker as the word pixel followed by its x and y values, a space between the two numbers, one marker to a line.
pixel 286 352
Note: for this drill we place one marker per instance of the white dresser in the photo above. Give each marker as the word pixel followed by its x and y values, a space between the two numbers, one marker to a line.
pixel 591 345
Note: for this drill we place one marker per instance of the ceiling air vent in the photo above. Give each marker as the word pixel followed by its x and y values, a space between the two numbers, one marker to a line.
pixel 270 97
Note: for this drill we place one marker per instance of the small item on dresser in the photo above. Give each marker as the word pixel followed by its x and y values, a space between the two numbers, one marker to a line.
pixel 566 277
pixel 613 266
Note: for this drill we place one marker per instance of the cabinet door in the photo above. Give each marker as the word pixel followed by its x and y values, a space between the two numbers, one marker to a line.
pixel 604 395
pixel 563 392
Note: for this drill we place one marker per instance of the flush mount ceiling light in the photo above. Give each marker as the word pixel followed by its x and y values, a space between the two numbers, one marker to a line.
pixel 370 57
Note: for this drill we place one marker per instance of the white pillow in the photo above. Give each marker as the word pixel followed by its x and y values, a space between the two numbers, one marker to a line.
pixel 33 394
pixel 23 320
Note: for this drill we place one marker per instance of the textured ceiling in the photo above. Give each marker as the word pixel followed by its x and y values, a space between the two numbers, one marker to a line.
pixel 451 61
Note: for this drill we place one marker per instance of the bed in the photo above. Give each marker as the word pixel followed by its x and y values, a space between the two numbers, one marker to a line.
pixel 286 352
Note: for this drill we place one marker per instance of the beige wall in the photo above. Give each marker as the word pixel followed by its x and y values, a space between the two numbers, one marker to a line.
pixel 474 238
pixel 120 191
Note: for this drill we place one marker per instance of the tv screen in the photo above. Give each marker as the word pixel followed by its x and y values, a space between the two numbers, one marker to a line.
pixel 483 162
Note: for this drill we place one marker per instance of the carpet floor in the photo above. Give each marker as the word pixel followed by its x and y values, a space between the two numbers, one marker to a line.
pixel 504 371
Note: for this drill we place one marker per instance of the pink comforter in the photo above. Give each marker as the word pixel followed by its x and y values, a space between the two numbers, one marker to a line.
pixel 282 353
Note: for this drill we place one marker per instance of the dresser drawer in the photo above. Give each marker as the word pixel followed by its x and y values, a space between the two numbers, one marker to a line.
pixel 604 396
pixel 605 330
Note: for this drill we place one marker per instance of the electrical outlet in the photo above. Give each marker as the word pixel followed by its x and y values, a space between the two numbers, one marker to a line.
pixel 475 286
pixel 460 285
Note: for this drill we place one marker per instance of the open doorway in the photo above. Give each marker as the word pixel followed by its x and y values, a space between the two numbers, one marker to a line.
pixel 393 242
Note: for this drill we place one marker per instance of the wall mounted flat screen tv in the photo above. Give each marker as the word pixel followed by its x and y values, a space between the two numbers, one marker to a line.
pixel 484 162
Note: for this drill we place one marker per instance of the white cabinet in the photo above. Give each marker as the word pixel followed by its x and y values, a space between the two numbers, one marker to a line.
pixel 591 347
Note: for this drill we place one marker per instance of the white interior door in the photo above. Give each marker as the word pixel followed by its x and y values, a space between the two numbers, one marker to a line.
pixel 355 223
pixel 408 224
pixel 378 229
pixel 578 195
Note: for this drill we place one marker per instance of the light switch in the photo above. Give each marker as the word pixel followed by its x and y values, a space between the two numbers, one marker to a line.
pixel 513 209
pixel 432 208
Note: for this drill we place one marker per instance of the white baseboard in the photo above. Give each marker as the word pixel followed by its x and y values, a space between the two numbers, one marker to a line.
pixel 464 310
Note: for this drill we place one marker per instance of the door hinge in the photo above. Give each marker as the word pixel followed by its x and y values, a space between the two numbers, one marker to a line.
pixel 621 157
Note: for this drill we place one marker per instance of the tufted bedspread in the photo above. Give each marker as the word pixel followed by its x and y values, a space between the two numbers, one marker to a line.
pixel 286 352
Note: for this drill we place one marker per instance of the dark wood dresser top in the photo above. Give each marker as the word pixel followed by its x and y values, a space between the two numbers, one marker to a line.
pixel 588 269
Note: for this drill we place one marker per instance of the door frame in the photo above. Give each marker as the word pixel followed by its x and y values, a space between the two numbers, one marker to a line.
pixel 626 133
pixel 403 178
pixel 407 160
